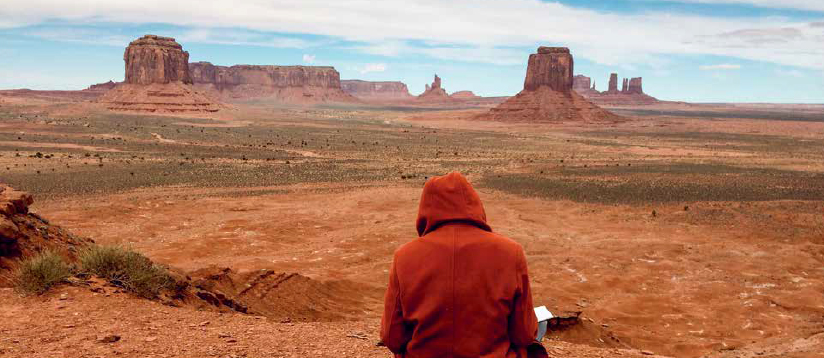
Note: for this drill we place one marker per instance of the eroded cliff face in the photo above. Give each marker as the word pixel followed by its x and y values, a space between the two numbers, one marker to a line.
pixel 551 67
pixel 376 90
pixel 290 83
pixel 156 59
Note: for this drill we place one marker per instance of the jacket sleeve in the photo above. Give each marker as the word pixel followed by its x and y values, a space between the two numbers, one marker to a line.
pixel 394 333
pixel 523 325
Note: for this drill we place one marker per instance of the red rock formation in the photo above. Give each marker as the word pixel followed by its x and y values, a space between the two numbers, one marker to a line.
pixel 156 59
pixel 102 87
pixel 157 80
pixel 376 90
pixel 435 93
pixel 23 234
pixel 464 95
pixel 635 86
pixel 551 67
pixel 547 95
pixel 286 83
pixel 581 83
pixel 631 93
pixel 613 83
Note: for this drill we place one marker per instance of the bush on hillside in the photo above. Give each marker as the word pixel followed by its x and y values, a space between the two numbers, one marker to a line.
pixel 126 268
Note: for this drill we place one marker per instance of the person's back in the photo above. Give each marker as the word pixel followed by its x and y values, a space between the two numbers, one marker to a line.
pixel 459 290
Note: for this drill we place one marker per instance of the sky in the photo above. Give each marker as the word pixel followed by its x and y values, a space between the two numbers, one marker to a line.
pixel 686 50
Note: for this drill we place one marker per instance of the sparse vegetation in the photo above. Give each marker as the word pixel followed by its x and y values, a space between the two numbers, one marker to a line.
pixel 38 274
pixel 126 268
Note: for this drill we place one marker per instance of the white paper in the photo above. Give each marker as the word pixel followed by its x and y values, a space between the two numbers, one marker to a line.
pixel 542 313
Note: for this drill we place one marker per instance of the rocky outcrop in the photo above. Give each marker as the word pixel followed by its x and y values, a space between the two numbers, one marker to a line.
pixel 464 95
pixel 156 59
pixel 375 90
pixel 286 83
pixel 581 83
pixel 102 87
pixel 550 67
pixel 23 234
pixel 547 95
pixel 635 86
pixel 631 93
pixel 157 80
pixel 613 83
pixel 435 93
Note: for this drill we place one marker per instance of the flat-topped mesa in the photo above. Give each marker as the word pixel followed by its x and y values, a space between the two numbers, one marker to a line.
pixel 266 75
pixel 286 83
pixel 376 90
pixel 551 67
pixel 581 83
pixel 156 59
pixel 464 95
pixel 635 86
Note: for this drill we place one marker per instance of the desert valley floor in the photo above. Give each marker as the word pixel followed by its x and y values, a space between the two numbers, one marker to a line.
pixel 685 231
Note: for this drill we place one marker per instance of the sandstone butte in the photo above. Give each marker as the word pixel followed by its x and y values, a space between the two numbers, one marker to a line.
pixel 547 95
pixel 435 92
pixel 631 93
pixel 376 90
pixel 157 80
pixel 295 84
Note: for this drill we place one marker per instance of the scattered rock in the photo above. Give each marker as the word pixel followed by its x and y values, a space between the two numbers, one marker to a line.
pixel 109 339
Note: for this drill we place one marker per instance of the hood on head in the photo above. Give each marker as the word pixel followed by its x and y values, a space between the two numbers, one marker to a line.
pixel 449 198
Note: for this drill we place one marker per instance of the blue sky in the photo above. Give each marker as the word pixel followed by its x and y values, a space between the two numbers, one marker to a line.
pixel 690 50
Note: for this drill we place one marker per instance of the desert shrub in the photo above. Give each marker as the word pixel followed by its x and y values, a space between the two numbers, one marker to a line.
pixel 39 273
pixel 126 268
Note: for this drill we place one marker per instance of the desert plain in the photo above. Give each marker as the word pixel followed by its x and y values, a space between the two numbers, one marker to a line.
pixel 685 230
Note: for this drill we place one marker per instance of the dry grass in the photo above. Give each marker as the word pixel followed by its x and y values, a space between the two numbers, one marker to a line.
pixel 38 274
pixel 126 268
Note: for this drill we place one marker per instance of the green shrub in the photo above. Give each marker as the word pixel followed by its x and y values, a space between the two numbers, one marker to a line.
pixel 126 268
pixel 38 274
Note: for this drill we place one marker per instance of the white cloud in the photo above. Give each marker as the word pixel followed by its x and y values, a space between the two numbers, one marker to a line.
pixel 723 66
pixel 373 67
pixel 482 31
pixel 816 5
pixel 309 58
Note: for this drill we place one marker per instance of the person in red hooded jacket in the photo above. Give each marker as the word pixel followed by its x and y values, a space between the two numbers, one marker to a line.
pixel 459 290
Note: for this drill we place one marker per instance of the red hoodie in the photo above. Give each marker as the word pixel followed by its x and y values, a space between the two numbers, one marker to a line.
pixel 459 290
